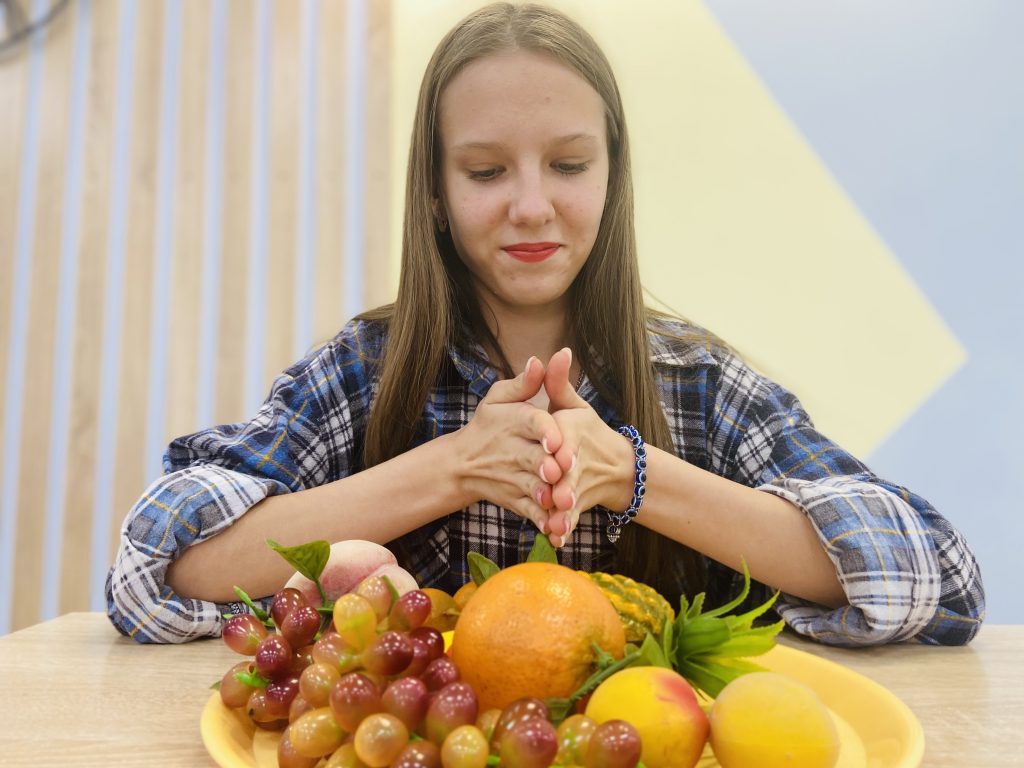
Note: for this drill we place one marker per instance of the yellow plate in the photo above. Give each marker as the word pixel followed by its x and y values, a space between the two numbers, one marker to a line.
pixel 875 727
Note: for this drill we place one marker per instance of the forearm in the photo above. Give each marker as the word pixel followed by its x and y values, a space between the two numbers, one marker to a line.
pixel 732 523
pixel 378 504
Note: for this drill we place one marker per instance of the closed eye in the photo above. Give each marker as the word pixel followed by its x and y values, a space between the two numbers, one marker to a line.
pixel 570 169
pixel 485 175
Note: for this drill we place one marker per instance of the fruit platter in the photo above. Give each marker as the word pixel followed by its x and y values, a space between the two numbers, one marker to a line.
pixel 530 666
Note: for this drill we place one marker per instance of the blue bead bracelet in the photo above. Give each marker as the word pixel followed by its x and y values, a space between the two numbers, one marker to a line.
pixel 616 520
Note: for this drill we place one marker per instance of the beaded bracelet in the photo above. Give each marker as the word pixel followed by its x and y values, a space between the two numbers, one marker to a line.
pixel 618 519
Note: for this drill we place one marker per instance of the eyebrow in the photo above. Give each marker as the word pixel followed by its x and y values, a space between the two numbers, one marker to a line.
pixel 567 139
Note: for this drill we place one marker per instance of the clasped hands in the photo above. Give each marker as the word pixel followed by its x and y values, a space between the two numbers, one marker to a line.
pixel 546 465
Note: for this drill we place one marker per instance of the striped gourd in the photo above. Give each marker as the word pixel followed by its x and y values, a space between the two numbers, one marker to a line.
pixel 640 607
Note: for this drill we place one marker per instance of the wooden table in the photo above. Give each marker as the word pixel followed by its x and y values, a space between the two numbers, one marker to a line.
pixel 77 693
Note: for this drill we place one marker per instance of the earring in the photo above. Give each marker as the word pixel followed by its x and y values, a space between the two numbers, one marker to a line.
pixel 442 223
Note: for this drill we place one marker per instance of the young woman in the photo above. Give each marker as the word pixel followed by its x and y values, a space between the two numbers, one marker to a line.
pixel 510 387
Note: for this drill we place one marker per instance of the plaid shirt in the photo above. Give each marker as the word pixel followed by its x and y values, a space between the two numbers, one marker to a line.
pixel 907 573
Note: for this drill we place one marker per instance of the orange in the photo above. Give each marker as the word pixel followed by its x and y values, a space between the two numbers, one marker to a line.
pixel 529 630
pixel 463 594
pixel 443 610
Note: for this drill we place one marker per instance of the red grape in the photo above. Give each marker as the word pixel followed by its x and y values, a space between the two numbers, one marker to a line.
pixel 418 754
pixel 284 602
pixel 301 625
pixel 298 708
pixel 273 657
pixel 354 697
pixel 406 699
pixel 242 634
pixel 345 757
pixel 287 757
pixel 233 692
pixel 256 707
pixel 518 710
pixel 614 744
pixel 280 693
pixel 529 743
pixel 389 654
pixel 433 639
pixel 454 705
pixel 410 611
pixel 439 673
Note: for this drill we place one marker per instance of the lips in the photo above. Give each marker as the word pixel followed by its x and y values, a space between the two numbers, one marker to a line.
pixel 531 252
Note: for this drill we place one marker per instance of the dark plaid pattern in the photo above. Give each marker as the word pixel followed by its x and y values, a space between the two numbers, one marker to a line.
pixel 908 574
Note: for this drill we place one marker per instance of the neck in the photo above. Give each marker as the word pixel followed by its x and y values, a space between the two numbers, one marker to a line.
pixel 537 332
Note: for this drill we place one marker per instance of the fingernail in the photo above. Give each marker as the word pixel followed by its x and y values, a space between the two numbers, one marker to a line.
pixel 544 445
pixel 538 495
pixel 543 476
pixel 526 368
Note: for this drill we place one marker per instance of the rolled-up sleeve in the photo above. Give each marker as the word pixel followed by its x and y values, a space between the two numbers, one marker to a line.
pixel 301 437
pixel 907 572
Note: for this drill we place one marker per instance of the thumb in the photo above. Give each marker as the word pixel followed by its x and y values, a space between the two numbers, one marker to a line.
pixel 521 388
pixel 561 393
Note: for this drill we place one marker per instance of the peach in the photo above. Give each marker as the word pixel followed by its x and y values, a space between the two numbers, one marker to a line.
pixel 663 708
pixel 348 564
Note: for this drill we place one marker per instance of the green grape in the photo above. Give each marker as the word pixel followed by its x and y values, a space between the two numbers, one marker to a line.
pixel 233 692
pixel 529 743
pixel 355 620
pixel 328 649
pixel 316 733
pixel 486 721
pixel 614 744
pixel 379 739
pixel 454 705
pixel 418 754
pixel 354 697
pixel 377 590
pixel 345 757
pixel 573 738
pixel 242 634
pixel 465 747
pixel 316 682
pixel 287 757
pixel 298 708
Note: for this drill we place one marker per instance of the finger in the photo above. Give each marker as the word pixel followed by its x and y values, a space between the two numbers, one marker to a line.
pixel 521 388
pixel 539 426
pixel 566 458
pixel 563 496
pixel 561 393
pixel 549 470
pixel 529 509
pixel 562 524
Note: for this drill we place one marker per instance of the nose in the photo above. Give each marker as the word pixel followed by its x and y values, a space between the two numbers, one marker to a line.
pixel 531 204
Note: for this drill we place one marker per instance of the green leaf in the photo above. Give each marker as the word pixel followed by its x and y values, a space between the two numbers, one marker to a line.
pixel 745 620
pixel 480 568
pixel 259 612
pixel 708 678
pixel 738 600
pixel 701 634
pixel 215 686
pixel 252 679
pixel 542 550
pixel 651 654
pixel 746 645
pixel 695 608
pixel 309 559
pixel 394 592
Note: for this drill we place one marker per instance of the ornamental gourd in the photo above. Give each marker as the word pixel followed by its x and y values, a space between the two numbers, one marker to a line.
pixel 640 607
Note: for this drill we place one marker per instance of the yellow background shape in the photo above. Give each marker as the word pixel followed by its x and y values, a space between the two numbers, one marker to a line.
pixel 741 228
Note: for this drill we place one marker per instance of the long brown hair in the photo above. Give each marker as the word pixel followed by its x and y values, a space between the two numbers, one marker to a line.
pixel 436 305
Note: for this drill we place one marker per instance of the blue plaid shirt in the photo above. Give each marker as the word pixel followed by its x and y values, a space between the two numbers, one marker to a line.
pixel 907 573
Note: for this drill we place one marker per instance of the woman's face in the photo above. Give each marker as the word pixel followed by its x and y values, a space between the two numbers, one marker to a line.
pixel 524 176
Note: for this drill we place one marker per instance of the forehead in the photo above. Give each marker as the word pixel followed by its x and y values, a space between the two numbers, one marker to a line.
pixel 519 95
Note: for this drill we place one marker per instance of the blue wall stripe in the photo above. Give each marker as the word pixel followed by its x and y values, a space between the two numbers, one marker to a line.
pixel 67 303
pixel 306 234
pixel 163 245
pixel 356 33
pixel 213 207
pixel 256 309
pixel 14 387
pixel 106 422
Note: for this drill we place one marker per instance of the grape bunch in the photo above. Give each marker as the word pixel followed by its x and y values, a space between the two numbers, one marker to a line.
pixel 368 685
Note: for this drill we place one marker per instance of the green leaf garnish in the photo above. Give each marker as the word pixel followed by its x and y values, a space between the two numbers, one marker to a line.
pixel 607 665
pixel 480 568
pixel 252 679
pixel 542 550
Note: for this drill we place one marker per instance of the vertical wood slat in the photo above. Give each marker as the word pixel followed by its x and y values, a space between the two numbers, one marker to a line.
pixel 82 459
pixel 35 432
pixel 186 269
pixel 235 235
pixel 130 471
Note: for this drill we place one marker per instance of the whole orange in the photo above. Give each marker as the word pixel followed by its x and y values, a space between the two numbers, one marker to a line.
pixel 529 630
